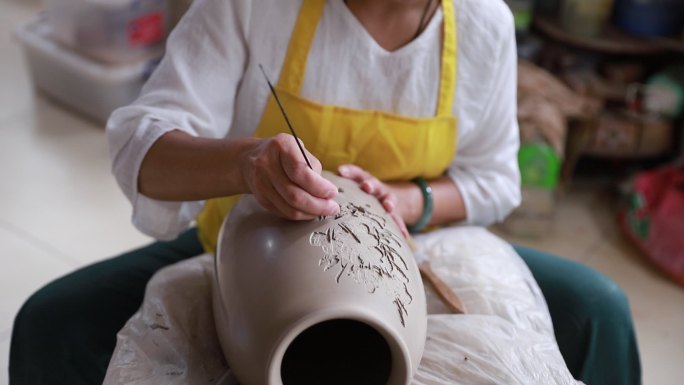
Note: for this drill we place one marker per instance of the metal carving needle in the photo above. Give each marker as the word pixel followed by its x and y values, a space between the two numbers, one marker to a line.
pixel 275 95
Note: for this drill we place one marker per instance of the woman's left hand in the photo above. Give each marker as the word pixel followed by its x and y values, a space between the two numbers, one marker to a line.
pixel 384 192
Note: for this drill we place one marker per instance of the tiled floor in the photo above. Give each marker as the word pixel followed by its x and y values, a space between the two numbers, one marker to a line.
pixel 584 230
pixel 60 209
pixel 59 206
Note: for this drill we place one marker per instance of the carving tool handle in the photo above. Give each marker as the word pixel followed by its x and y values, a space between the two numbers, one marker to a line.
pixel 443 290
pixel 445 293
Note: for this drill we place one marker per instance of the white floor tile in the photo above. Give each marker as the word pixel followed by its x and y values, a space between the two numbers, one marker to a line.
pixel 585 230
pixel 4 362
pixel 55 181
pixel 25 268
pixel 658 308
pixel 661 354
pixel 577 228
pixel 60 207
pixel 15 93
pixel 58 187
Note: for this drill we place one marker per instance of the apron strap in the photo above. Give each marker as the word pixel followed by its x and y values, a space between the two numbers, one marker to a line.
pixel 294 66
pixel 447 83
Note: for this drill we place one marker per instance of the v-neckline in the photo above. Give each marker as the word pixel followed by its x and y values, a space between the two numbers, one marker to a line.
pixel 406 49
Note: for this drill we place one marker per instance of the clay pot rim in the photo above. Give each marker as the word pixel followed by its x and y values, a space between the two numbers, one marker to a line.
pixel 402 375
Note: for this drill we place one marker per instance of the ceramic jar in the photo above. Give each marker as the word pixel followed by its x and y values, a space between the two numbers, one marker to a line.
pixel 335 300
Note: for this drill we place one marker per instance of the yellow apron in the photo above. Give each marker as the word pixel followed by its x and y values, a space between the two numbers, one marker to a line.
pixel 391 147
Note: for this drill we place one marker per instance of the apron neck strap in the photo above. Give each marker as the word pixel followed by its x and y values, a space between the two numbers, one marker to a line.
pixel 294 66
pixel 447 82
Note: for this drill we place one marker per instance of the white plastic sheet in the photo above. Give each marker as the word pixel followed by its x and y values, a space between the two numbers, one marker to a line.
pixel 505 338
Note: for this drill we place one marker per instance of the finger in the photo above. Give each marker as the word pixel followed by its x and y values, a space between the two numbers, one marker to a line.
pixel 312 160
pixel 284 209
pixel 309 180
pixel 366 186
pixel 353 172
pixel 267 205
pixel 367 182
pixel 301 200
pixel 388 204
pixel 315 163
pixel 400 223
pixel 265 194
pixel 268 197
pixel 375 187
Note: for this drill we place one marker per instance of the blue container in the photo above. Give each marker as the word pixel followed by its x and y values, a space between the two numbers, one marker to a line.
pixel 650 18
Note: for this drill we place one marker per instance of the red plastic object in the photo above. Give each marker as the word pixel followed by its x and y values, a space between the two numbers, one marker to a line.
pixel 146 30
pixel 654 219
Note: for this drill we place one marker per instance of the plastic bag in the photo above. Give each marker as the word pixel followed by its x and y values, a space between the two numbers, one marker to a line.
pixel 654 218
pixel 505 338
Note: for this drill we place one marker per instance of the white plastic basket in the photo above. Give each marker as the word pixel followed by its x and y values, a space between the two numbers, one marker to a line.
pixel 112 31
pixel 91 87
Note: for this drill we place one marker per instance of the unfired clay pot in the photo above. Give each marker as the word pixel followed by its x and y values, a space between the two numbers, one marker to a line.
pixel 336 300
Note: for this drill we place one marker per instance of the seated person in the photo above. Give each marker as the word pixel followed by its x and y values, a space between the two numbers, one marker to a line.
pixel 414 99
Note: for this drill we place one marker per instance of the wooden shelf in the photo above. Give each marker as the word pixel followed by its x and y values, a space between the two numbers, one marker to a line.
pixel 672 44
pixel 612 41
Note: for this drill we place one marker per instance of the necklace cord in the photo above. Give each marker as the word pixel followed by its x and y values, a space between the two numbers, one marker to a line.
pixel 421 24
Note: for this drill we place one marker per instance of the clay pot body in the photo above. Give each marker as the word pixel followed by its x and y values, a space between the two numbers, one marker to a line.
pixel 336 300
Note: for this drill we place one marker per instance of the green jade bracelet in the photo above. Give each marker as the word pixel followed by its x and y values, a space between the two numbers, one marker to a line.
pixel 428 204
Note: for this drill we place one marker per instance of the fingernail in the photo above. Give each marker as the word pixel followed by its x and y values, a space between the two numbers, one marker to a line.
pixel 343 169
pixel 389 206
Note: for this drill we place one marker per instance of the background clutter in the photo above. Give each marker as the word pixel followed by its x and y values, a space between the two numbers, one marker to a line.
pixel 95 55
pixel 600 93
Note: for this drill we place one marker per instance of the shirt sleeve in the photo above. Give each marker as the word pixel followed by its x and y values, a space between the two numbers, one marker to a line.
pixel 192 90
pixel 485 169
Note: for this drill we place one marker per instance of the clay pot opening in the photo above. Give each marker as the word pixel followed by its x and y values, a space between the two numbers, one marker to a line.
pixel 338 352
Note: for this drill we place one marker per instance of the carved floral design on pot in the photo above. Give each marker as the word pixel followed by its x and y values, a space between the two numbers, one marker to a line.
pixel 358 245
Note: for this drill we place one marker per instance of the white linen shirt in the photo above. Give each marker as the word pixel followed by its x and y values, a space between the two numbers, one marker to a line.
pixel 209 85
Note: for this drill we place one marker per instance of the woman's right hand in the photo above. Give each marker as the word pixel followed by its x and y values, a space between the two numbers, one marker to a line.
pixel 276 173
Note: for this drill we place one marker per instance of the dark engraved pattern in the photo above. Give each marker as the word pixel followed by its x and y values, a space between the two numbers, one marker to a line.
pixel 358 245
